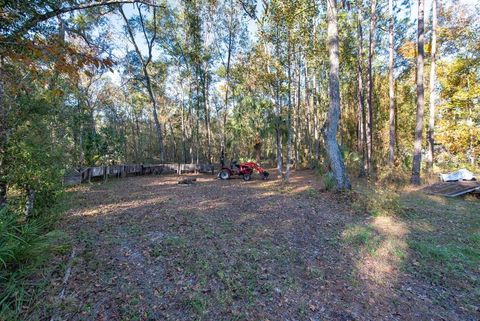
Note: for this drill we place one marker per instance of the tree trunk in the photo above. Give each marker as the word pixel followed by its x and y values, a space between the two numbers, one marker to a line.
pixel 158 125
pixel 363 145
pixel 310 111
pixel 207 115
pixel 417 147
pixel 391 92
pixel 278 114
pixel 298 127
pixel 290 107
pixel 3 140
pixel 184 133
pixel 258 148
pixel 30 203
pixel 174 142
pixel 197 119
pixel 225 110
pixel 191 127
pixel 431 120
pixel 278 136
pixel 316 124
pixel 371 49
pixel 138 145
pixel 331 125
pixel 148 84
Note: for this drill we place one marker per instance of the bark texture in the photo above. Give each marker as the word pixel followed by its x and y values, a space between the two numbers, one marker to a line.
pixel 3 142
pixel 371 50
pixel 391 91
pixel 431 120
pixel 417 147
pixel 331 126
pixel 148 82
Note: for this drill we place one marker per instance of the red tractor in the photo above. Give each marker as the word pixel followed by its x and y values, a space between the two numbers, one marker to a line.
pixel 243 169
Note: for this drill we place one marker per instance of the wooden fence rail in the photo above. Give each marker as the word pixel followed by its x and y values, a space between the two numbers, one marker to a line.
pixel 86 174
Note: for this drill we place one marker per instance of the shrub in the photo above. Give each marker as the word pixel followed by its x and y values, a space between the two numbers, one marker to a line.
pixel 329 181
pixel 377 201
pixel 24 246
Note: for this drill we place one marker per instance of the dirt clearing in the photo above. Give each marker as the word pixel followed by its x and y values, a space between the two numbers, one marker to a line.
pixel 148 248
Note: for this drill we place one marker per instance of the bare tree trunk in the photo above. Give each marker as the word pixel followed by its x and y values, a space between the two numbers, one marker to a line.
pixel 371 49
pixel 174 142
pixel 3 140
pixel 298 126
pixel 225 110
pixel 417 147
pixel 290 107
pixel 308 132
pixel 138 145
pixel 278 136
pixel 391 92
pixel 316 124
pixel 184 133
pixel 295 126
pixel 361 102
pixel 207 115
pixel 30 203
pixel 190 122
pixel 278 114
pixel 197 119
pixel 331 125
pixel 431 120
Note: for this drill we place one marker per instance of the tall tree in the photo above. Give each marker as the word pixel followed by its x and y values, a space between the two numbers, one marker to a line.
pixel 3 140
pixel 146 62
pixel 289 102
pixel 331 125
pixel 371 52
pixel 433 58
pixel 362 120
pixel 391 89
pixel 417 148
pixel 278 106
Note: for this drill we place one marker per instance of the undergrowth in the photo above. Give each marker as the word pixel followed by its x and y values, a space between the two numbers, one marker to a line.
pixel 377 201
pixel 25 248
pixel 438 238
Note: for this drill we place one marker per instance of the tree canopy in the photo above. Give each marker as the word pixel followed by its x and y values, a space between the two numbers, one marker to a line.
pixel 88 83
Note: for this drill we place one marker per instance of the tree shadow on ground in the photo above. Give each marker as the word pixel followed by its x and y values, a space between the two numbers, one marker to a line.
pixel 151 249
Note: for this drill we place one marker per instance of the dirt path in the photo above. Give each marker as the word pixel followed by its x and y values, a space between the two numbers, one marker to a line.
pixel 151 249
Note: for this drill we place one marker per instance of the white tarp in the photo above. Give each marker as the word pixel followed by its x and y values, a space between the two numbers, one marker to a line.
pixel 460 175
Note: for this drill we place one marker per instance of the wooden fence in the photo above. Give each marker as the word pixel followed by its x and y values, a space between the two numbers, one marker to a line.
pixel 86 174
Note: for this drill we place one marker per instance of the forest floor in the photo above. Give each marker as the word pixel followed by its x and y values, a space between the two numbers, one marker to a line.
pixel 147 248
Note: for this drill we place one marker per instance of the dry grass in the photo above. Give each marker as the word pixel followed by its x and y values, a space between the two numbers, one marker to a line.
pixel 260 250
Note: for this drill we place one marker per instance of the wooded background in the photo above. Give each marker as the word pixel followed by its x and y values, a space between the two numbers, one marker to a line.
pixel 88 83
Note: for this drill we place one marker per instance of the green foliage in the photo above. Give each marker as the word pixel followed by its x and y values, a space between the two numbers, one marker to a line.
pixel 351 158
pixel 25 246
pixel 444 238
pixel 377 201
pixel 459 130
pixel 329 181
pixel 362 237
pixel 34 158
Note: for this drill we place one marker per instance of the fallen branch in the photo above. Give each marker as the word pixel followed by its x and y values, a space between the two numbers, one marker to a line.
pixel 187 181
pixel 67 273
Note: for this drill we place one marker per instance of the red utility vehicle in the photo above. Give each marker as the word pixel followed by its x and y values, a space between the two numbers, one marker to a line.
pixel 243 169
